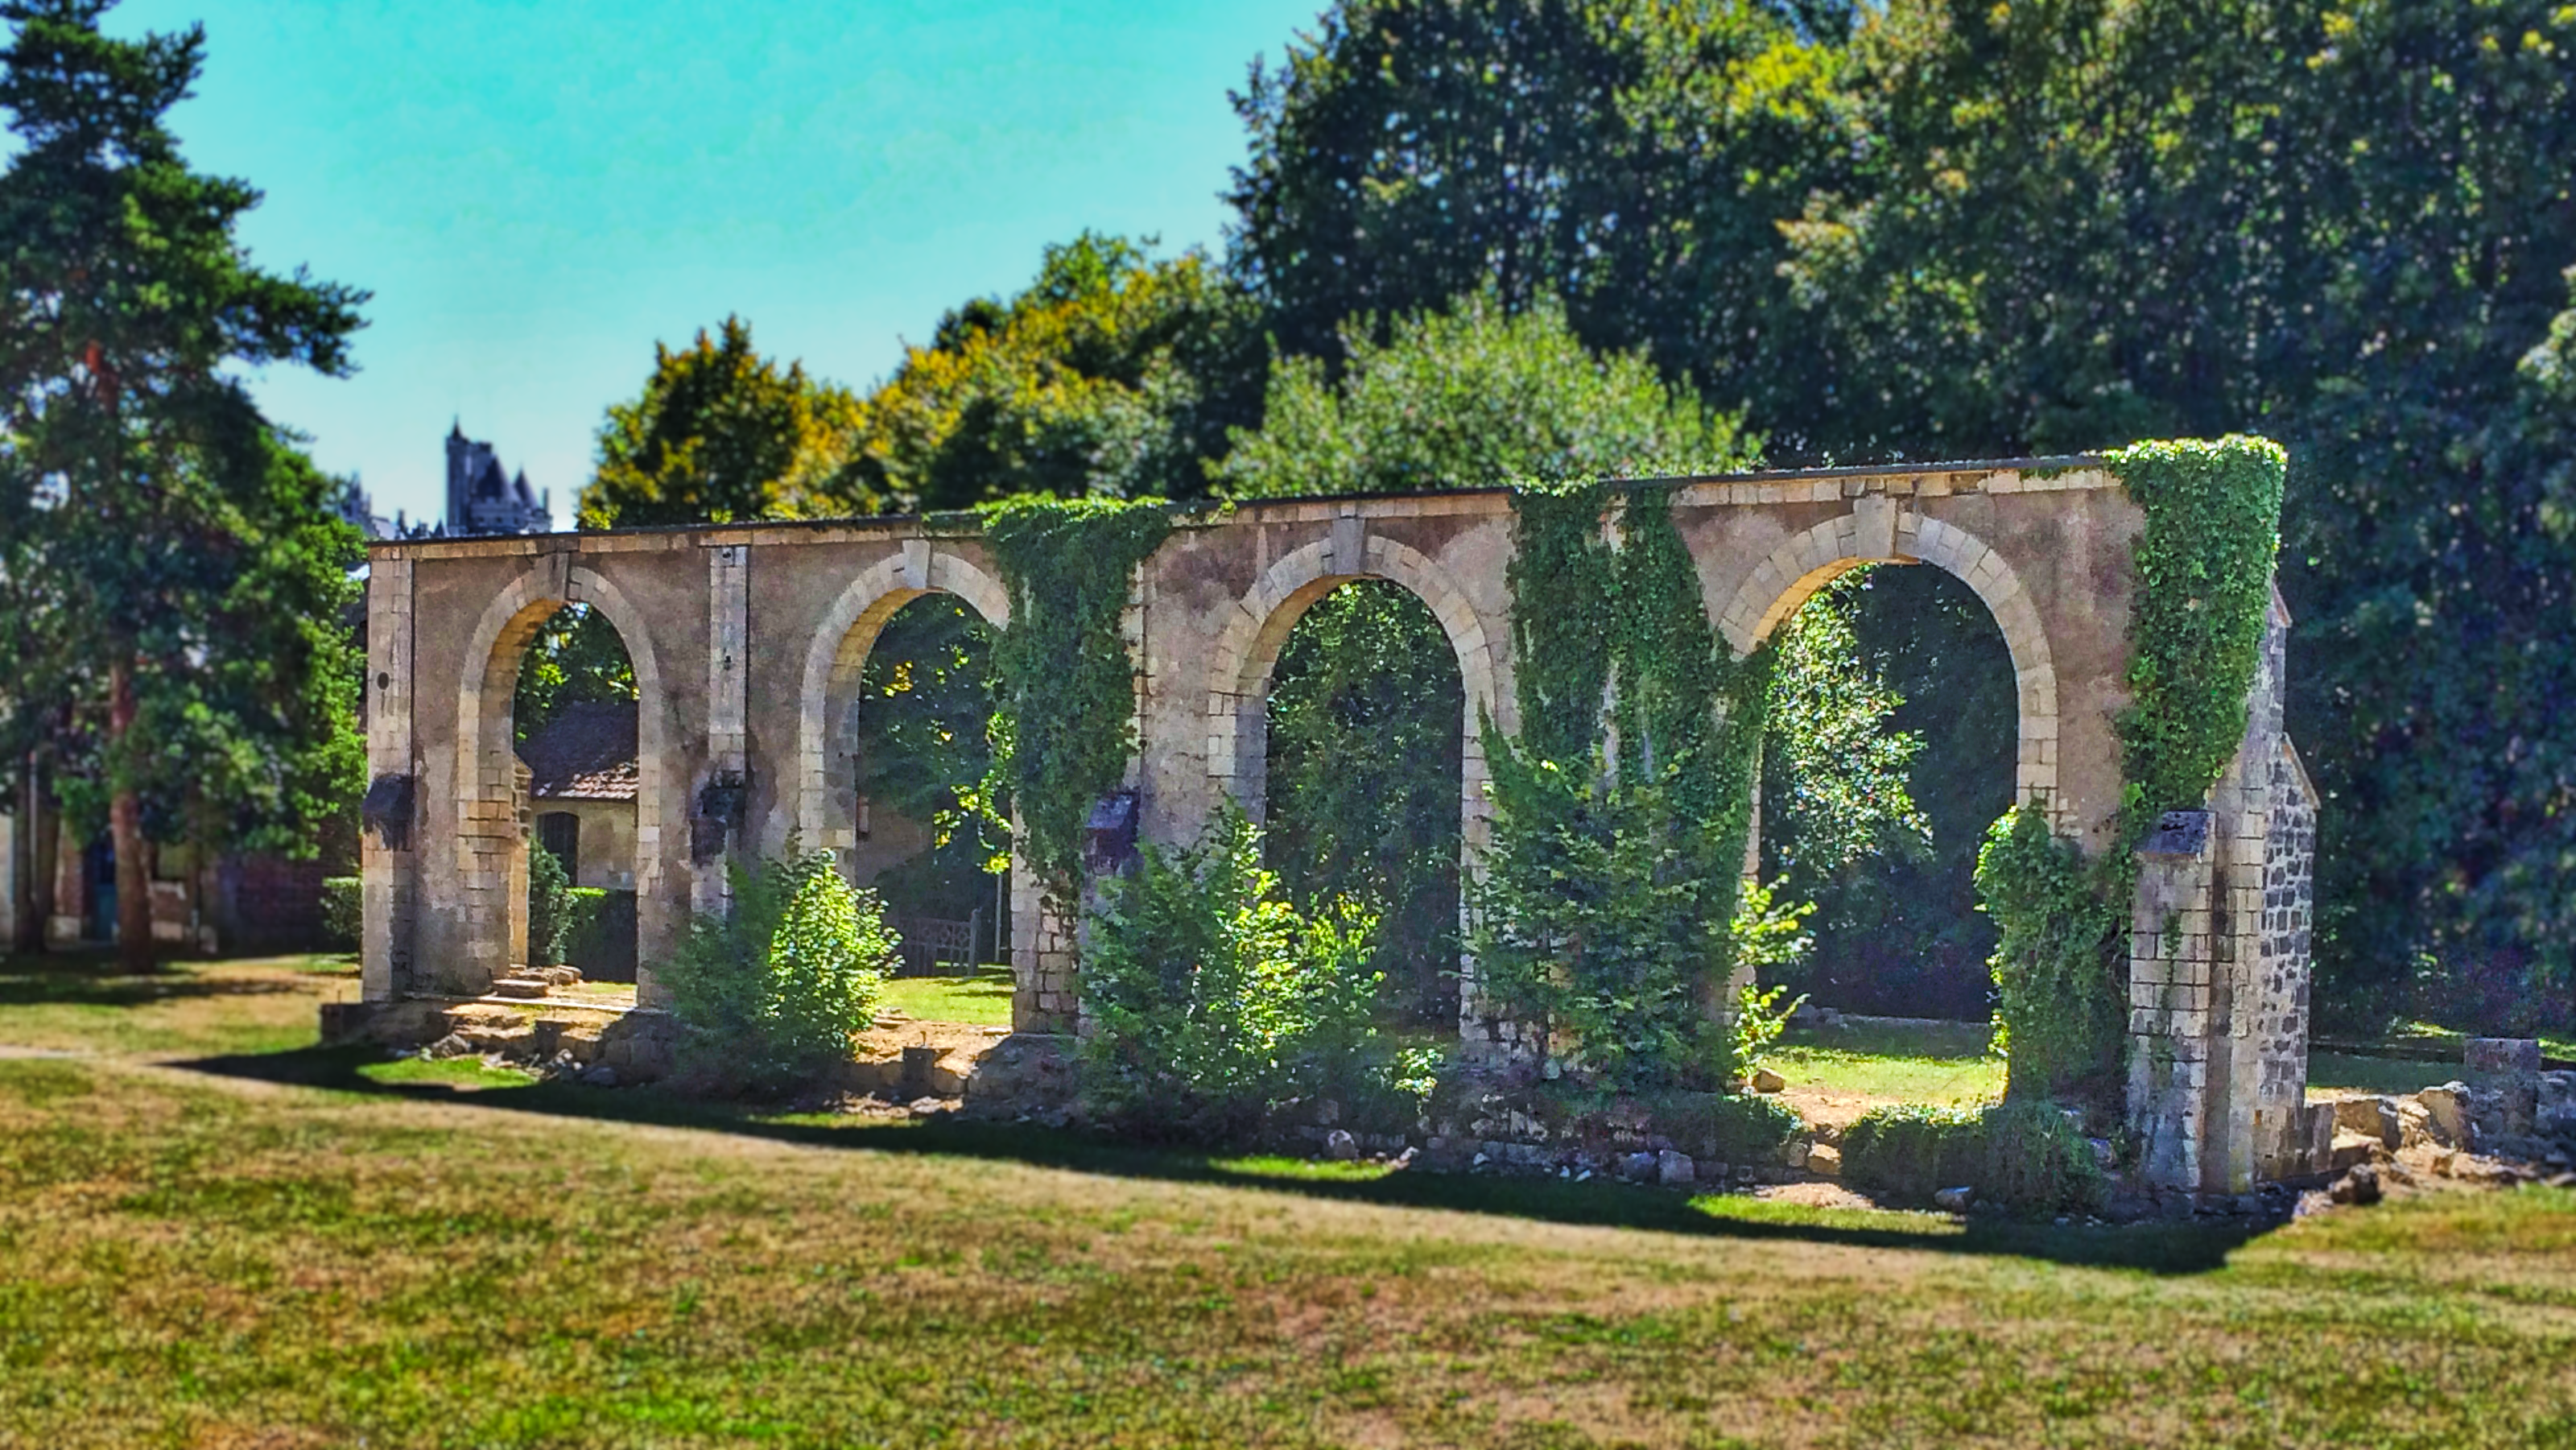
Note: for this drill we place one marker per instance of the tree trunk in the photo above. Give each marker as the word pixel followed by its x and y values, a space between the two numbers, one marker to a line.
pixel 46 833
pixel 27 927
pixel 134 944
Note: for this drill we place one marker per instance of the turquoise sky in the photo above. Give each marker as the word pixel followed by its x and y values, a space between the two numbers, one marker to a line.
pixel 536 192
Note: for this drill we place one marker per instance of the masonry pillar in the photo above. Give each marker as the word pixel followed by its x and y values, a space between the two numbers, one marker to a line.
pixel 1044 997
pixel 2219 966
pixel 2171 1000
pixel 388 860
pixel 720 807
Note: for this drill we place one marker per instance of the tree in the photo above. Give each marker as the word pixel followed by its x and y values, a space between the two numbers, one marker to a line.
pixel 1631 158
pixel 1469 397
pixel 1116 372
pixel 170 534
pixel 2079 222
pixel 722 434
pixel 576 657
pixel 1366 705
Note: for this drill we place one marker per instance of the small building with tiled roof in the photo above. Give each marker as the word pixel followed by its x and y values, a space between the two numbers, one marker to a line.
pixel 582 780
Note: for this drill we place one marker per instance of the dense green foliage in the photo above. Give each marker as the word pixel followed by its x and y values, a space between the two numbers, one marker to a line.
pixel 1632 157
pixel 1211 1000
pixel 575 658
pixel 771 991
pixel 1115 372
pixel 2202 590
pixel 722 434
pixel 1366 708
pixel 1943 228
pixel 922 745
pixel 344 903
pixel 1736 1128
pixel 2025 1158
pixel 1469 397
pixel 558 911
pixel 2061 956
pixel 1067 686
pixel 181 659
pixel 1835 776
pixel 1606 912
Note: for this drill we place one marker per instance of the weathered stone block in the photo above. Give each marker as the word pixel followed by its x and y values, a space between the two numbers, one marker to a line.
pixel 2375 1117
pixel 2502 1056
pixel 2351 1149
pixel 2447 1114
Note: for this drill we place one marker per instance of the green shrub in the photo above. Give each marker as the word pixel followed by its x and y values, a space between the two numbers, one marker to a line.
pixel 1212 1000
pixel 557 909
pixel 1599 917
pixel 2025 1157
pixel 771 992
pixel 2061 957
pixel 1728 1127
pixel 343 911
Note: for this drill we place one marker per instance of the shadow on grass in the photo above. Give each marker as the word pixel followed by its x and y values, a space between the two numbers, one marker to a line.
pixel 98 980
pixel 2157 1248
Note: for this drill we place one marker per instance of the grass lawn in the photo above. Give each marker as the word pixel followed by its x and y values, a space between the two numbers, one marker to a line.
pixel 983 999
pixel 1930 1062
pixel 308 1247
pixel 2335 1073
pixel 2449 1040
pixel 83 1000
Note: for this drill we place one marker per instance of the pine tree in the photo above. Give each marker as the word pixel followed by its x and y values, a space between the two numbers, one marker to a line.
pixel 192 580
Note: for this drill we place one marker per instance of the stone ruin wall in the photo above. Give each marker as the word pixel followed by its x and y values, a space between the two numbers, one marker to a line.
pixel 748 640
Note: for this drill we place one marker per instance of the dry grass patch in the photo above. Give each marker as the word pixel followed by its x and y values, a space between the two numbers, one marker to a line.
pixel 342 1248
pixel 85 1003
pixel 183 1261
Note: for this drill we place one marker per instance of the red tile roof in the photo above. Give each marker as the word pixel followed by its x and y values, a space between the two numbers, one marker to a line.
pixel 587 753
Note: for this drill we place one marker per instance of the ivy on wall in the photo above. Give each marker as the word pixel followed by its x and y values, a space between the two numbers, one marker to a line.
pixel 1604 914
pixel 2204 584
pixel 1065 723
pixel 1561 578
pixel 2196 619
pixel 2061 956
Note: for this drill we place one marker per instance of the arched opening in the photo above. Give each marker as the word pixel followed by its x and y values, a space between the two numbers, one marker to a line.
pixel 1890 751
pixel 1928 636
pixel 899 706
pixel 579 778
pixel 1365 722
pixel 917 748
pixel 559 643
pixel 1240 676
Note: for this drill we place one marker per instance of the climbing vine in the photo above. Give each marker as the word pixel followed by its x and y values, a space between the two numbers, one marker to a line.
pixel 1606 908
pixel 2060 963
pixel 2203 584
pixel 1065 724
pixel 1561 577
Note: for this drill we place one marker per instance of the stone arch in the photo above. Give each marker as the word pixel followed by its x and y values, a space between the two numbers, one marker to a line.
pixel 491 840
pixel 1808 561
pixel 1248 649
pixel 838 653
